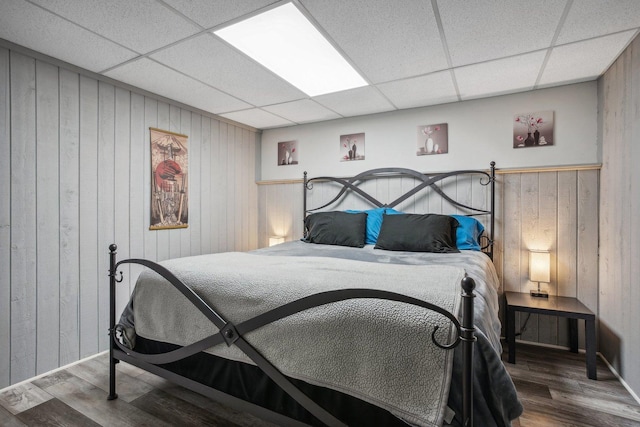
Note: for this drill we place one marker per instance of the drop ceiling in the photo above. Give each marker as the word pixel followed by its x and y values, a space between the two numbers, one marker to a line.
pixel 412 53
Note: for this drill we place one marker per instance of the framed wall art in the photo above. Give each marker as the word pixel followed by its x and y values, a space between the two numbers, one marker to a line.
pixel 352 147
pixel 433 139
pixel 288 153
pixel 533 129
pixel 169 180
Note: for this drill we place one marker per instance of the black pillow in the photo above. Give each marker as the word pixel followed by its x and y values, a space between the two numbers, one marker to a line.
pixel 336 228
pixel 418 233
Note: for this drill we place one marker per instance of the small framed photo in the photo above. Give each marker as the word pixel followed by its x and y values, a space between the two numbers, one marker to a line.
pixel 352 147
pixel 433 139
pixel 533 129
pixel 287 153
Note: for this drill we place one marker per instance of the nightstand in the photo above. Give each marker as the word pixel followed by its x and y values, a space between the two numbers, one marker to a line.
pixel 567 307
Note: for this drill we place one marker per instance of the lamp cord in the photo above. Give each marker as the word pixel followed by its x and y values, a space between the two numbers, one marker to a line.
pixel 523 328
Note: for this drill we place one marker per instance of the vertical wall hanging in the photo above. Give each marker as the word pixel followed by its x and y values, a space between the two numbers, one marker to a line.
pixel 287 153
pixel 169 180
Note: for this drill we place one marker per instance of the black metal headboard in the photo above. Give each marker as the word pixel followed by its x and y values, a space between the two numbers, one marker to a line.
pixel 351 186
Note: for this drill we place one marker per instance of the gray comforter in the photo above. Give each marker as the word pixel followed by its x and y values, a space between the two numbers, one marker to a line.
pixel 496 402
pixel 381 354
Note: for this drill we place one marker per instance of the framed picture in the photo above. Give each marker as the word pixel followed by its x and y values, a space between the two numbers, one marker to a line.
pixel 352 147
pixel 169 183
pixel 533 129
pixel 433 139
pixel 287 153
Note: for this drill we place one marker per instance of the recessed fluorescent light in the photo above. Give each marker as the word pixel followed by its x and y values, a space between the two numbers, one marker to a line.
pixel 284 41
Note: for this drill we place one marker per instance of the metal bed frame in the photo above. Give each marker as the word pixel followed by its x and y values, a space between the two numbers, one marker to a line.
pixel 233 334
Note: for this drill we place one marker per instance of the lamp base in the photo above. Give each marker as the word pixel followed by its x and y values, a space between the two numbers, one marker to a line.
pixel 537 293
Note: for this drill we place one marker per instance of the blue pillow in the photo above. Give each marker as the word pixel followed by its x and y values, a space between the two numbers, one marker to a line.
pixel 468 232
pixel 374 222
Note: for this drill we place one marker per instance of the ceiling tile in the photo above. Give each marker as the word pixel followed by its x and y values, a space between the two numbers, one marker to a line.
pixel 44 32
pixel 212 61
pixel 386 40
pixel 583 60
pixel 208 13
pixel 149 75
pixel 302 111
pixel 432 89
pixel 258 118
pixel 593 18
pixel 356 102
pixel 518 73
pixel 141 25
pixel 492 29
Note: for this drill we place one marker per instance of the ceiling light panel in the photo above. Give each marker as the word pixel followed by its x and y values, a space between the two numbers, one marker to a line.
pixel 284 41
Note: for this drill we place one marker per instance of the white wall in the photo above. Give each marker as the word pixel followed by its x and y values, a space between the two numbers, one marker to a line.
pixel 479 131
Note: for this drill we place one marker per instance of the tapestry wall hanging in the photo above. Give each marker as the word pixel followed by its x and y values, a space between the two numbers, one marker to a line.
pixel 169 184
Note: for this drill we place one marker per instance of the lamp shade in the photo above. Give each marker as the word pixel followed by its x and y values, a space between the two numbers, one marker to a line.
pixel 540 266
pixel 276 240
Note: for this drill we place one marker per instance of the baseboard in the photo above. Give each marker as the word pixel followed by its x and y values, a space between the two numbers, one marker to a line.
pixel 28 380
pixel 615 373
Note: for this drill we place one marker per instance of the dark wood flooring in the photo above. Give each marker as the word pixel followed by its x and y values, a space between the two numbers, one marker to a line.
pixel 552 385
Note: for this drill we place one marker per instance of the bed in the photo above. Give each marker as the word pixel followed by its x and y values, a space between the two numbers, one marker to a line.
pixel 375 317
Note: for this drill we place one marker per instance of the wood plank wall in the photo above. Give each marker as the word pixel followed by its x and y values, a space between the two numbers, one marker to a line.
pixel 619 96
pixel 555 210
pixel 74 177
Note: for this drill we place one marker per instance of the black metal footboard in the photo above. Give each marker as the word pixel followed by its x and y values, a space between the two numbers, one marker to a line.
pixel 233 334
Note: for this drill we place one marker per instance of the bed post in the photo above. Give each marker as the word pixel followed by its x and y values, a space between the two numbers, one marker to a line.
pixel 493 204
pixel 112 320
pixel 468 340
pixel 304 205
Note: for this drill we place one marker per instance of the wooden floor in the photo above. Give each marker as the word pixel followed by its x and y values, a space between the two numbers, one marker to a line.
pixel 552 385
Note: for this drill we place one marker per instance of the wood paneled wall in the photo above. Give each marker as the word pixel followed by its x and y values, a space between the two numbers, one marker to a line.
pixel 619 95
pixel 555 210
pixel 74 177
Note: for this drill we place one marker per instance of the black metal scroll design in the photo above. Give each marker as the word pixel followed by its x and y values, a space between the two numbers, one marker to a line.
pixel 351 185
pixel 233 334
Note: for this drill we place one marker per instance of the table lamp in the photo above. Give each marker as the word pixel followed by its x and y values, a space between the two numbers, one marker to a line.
pixel 539 271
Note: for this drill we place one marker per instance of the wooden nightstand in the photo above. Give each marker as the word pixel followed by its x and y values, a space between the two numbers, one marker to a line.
pixel 567 307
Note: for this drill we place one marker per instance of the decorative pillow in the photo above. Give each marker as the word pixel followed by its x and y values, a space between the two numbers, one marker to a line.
pixel 418 233
pixel 468 233
pixel 374 222
pixel 336 228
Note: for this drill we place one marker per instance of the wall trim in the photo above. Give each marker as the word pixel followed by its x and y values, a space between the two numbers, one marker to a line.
pixel 504 171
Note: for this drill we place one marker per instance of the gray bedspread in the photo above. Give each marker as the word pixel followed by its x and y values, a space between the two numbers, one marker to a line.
pixel 496 401
pixel 376 350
